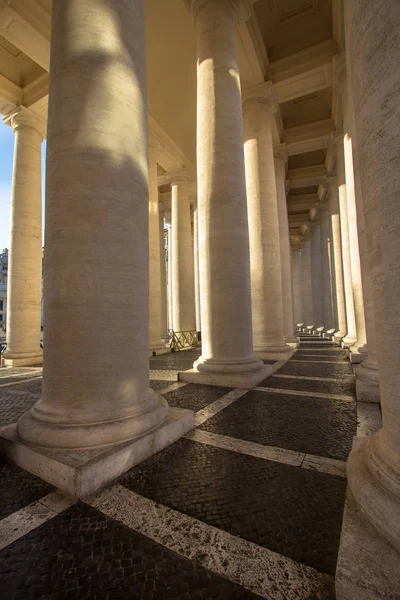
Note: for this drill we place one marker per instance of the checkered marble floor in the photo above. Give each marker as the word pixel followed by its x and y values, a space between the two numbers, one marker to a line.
pixel 248 505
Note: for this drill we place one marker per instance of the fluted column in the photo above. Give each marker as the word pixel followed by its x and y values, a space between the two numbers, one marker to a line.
pixel 316 276
pixel 156 344
pixel 297 286
pixel 223 230
pixel 163 273
pixel 262 206
pixel 326 264
pixel 373 468
pixel 306 280
pixel 280 155
pixel 351 335
pixel 24 281
pixel 183 307
pixel 337 263
pixel 95 388
pixel 196 269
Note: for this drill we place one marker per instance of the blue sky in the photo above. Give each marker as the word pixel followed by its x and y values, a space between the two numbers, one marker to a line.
pixel 6 161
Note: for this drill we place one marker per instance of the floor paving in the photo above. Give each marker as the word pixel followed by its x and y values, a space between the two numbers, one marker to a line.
pixel 250 507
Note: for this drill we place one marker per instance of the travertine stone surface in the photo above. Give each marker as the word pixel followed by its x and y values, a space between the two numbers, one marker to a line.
pixel 326 266
pixel 156 344
pixel 24 285
pixel 316 275
pixel 280 155
pixel 373 46
pixel 183 308
pixel 163 273
pixel 264 228
pixel 169 268
pixel 227 343
pixel 308 305
pixel 96 389
pixel 351 335
pixel 297 286
pixel 340 305
pixel 196 268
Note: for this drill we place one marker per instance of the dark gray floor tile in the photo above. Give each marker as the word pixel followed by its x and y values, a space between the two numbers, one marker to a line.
pixel 292 511
pixel 195 396
pixel 81 553
pixel 18 489
pixel 343 387
pixel 312 425
pixel 337 370
pixel 13 406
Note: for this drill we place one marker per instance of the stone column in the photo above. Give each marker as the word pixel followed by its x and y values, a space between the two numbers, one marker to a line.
pixel 24 281
pixel 156 344
pixel 170 294
pixel 280 155
pixel 95 388
pixel 308 304
pixel 340 305
pixel 163 272
pixel 316 275
pixel 373 468
pixel 351 335
pixel 297 286
pixel 183 310
pixel 196 269
pixel 262 207
pixel 326 250
pixel 226 321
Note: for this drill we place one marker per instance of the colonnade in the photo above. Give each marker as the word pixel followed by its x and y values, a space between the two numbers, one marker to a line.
pixel 235 278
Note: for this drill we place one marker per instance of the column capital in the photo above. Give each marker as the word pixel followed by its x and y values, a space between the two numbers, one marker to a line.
pixel 331 181
pixel 179 175
pixel 23 117
pixel 287 186
pixel 242 7
pixel 261 94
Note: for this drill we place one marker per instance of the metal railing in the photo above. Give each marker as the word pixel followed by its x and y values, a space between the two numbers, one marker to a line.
pixel 183 339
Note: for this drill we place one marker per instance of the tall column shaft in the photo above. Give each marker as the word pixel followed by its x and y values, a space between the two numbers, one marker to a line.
pixel 170 294
pixel 316 275
pixel 351 335
pixel 156 344
pixel 308 304
pixel 280 154
pixel 24 281
pixel 196 268
pixel 374 55
pixel 262 206
pixel 163 272
pixel 223 229
pixel 327 271
pixel 183 308
pixel 340 304
pixel 297 286
pixel 96 390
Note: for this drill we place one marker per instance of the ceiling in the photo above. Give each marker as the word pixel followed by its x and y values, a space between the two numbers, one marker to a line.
pixel 290 42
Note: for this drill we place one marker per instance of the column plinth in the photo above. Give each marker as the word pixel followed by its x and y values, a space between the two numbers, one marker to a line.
pixel 24 281
pixel 227 347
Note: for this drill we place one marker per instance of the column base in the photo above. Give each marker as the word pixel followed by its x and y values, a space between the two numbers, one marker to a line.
pixel 274 352
pixel 368 566
pixel 243 381
pixel 158 348
pixel 80 473
pixel 292 341
pixel 348 341
pixel 21 360
pixel 358 353
pixel 367 382
pixel 339 335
